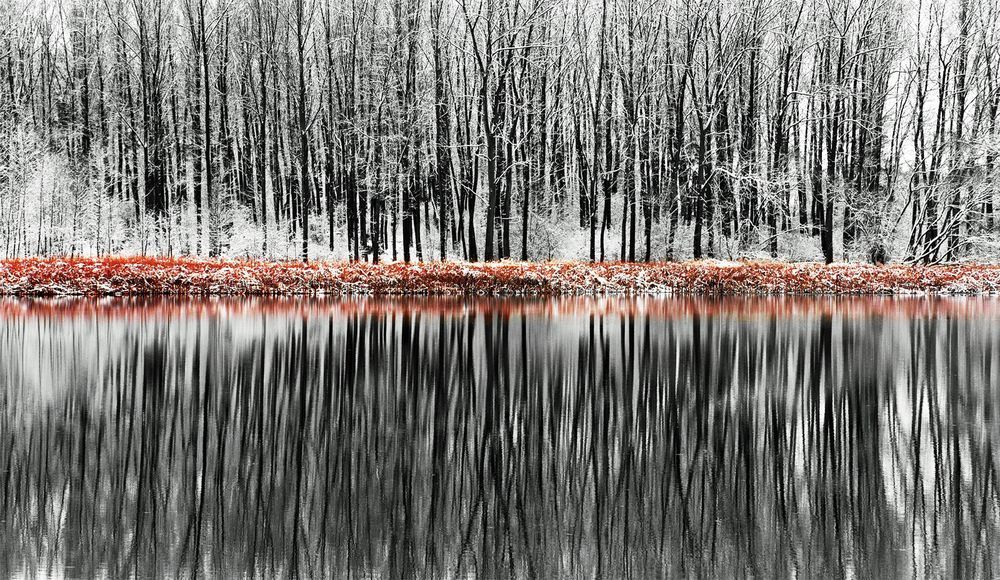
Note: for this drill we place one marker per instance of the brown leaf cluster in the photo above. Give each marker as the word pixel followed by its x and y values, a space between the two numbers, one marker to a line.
pixel 145 276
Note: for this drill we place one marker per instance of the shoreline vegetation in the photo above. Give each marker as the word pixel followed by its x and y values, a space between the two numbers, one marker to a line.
pixel 149 276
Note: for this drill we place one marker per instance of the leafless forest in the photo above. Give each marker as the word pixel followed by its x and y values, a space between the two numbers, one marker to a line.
pixel 493 129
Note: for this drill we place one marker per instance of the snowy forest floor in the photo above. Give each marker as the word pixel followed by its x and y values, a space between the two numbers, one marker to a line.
pixel 189 276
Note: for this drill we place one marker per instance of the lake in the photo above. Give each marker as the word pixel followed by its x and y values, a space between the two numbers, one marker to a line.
pixel 529 438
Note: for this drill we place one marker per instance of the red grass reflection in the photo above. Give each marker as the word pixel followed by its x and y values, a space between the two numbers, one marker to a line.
pixel 156 307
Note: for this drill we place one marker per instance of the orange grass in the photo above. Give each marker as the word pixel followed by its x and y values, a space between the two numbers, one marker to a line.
pixel 144 276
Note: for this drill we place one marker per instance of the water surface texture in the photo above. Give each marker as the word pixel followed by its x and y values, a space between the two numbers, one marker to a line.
pixel 500 438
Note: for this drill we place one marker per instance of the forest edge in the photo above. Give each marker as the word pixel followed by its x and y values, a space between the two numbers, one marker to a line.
pixel 134 276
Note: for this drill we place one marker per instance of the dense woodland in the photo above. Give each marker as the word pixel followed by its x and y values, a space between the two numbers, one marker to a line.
pixel 494 129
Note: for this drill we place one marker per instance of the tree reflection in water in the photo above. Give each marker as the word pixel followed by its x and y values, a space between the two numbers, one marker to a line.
pixel 529 438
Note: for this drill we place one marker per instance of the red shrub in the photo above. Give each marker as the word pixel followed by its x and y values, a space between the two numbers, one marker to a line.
pixel 189 276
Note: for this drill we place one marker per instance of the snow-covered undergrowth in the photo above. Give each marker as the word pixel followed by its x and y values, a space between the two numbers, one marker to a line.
pixel 152 276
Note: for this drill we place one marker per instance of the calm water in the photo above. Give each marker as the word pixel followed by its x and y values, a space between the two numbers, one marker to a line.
pixel 495 438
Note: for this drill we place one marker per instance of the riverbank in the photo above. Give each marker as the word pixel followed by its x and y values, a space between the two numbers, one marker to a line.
pixel 140 276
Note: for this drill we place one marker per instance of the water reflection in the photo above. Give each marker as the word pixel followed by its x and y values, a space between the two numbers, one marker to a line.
pixel 446 437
